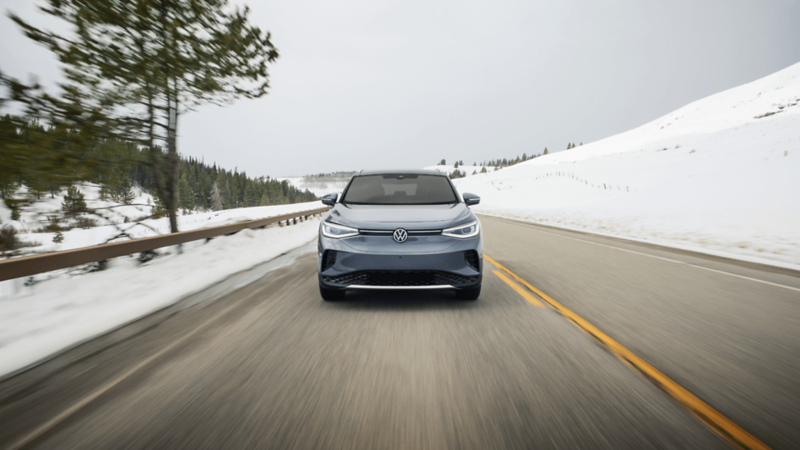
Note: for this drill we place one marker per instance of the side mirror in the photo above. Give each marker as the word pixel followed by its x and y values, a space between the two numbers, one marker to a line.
pixel 471 199
pixel 329 199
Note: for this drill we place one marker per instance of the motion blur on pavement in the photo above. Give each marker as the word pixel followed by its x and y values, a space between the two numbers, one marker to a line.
pixel 174 274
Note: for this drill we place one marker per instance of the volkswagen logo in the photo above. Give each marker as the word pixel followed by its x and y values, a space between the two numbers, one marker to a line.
pixel 400 235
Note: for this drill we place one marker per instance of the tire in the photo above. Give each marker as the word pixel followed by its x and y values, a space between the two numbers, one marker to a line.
pixel 469 294
pixel 330 295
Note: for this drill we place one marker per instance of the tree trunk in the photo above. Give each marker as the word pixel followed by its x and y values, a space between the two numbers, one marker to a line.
pixel 172 162
pixel 155 165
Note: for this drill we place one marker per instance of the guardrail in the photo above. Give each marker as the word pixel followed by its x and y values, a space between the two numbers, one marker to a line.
pixel 32 265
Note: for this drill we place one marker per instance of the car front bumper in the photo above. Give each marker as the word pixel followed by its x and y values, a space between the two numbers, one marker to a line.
pixel 377 262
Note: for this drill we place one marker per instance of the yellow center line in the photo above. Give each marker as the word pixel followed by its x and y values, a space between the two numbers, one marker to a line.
pixel 525 294
pixel 708 415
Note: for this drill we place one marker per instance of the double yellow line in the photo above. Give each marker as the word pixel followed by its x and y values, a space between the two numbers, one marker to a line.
pixel 708 415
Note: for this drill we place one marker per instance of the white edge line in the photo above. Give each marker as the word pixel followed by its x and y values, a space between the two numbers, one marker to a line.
pixel 671 260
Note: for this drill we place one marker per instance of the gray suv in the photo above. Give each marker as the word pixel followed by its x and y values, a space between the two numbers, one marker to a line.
pixel 400 230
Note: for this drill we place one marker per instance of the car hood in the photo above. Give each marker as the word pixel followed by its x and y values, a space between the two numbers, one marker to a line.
pixel 412 217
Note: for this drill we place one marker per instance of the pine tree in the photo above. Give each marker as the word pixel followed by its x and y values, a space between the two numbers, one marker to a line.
pixel 264 200
pixel 216 198
pixel 545 151
pixel 250 195
pixel 443 163
pixel 134 68
pixel 483 170
pixel 185 195
pixel 73 202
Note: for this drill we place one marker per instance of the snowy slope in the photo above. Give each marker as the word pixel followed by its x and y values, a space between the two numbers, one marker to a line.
pixel 448 169
pixel 720 175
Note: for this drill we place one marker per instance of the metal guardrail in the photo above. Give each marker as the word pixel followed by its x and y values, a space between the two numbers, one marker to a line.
pixel 32 265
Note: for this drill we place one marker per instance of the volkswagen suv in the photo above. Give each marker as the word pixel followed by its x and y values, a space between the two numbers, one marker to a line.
pixel 400 230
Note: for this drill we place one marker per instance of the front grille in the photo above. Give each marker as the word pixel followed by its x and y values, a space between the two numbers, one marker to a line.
pixel 328 259
pixel 402 278
pixel 471 257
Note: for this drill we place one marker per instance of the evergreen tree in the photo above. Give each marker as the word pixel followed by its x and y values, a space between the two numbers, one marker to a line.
pixel 250 195
pixel 185 194
pixel 443 163
pixel 545 151
pixel 73 202
pixel 133 68
pixel 224 190
pixel 483 170
pixel 216 198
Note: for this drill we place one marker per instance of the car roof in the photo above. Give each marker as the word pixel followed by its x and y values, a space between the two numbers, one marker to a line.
pixel 408 171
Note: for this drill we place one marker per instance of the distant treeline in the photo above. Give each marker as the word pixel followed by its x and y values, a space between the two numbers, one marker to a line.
pixel 47 160
pixel 497 163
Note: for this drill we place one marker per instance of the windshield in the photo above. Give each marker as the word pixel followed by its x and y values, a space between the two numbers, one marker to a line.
pixel 400 189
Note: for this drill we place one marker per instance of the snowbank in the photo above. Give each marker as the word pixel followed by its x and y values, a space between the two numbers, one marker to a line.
pixel 720 175
pixel 56 314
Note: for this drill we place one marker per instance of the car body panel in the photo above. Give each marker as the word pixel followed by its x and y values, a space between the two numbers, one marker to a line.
pixel 376 252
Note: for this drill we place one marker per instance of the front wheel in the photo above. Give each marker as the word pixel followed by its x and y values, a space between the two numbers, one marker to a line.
pixel 330 295
pixel 469 294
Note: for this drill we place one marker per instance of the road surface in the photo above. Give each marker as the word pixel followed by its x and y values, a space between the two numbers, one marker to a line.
pixel 271 365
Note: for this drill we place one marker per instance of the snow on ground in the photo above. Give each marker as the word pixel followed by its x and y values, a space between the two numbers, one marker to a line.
pixel 448 169
pixel 720 175
pixel 34 217
pixel 60 312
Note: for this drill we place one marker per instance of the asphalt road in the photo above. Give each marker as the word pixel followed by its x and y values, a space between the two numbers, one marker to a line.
pixel 271 365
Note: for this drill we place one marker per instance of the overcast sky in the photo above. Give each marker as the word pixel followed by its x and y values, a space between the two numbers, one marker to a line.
pixel 374 84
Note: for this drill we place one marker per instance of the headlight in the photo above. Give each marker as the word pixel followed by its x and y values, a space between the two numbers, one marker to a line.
pixel 463 231
pixel 335 231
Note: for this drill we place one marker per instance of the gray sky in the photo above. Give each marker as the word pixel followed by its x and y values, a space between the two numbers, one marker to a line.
pixel 372 84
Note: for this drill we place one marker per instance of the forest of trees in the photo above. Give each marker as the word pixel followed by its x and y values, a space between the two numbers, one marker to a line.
pixel 49 160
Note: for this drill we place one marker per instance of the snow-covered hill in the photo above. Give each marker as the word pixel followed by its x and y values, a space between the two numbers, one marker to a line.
pixel 720 175
pixel 448 169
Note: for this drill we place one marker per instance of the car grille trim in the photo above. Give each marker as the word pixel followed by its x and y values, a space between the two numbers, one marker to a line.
pixel 410 232
pixel 360 286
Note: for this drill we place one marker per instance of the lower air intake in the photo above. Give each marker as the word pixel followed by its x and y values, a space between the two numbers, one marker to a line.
pixel 471 257
pixel 328 259
pixel 402 278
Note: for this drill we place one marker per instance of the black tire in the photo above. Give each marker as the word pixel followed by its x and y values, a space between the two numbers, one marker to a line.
pixel 469 294
pixel 330 295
